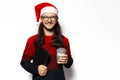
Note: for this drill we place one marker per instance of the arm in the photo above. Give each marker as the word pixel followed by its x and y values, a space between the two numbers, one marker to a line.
pixel 69 63
pixel 28 55
pixel 28 66
pixel 70 59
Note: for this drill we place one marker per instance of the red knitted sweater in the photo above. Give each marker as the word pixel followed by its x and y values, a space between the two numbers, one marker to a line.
pixel 30 50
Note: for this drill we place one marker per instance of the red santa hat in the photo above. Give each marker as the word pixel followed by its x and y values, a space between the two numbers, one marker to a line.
pixel 44 7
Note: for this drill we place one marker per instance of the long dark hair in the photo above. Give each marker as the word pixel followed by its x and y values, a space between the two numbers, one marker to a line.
pixel 57 40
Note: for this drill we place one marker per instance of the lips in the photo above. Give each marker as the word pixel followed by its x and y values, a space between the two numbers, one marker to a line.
pixel 48 23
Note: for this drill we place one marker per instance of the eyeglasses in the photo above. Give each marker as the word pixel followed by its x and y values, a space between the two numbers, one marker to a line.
pixel 46 18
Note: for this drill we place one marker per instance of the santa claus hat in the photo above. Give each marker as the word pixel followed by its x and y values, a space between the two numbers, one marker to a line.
pixel 44 7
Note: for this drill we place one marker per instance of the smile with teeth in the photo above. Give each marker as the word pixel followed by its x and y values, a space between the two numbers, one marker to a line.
pixel 49 23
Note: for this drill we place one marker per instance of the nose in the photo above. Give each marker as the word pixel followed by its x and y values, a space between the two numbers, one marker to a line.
pixel 49 19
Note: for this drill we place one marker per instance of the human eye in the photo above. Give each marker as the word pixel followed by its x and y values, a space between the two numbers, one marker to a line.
pixel 53 17
pixel 45 17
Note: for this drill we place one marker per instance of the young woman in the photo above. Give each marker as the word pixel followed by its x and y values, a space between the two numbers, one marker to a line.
pixel 39 56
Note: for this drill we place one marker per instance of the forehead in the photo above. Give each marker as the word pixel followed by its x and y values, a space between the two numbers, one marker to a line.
pixel 49 14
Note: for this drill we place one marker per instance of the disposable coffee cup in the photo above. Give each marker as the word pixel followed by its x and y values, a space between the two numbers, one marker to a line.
pixel 60 52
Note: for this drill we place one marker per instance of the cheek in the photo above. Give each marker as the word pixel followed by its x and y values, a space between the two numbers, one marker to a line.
pixel 55 22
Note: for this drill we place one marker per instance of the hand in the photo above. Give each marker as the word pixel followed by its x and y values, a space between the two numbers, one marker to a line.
pixel 63 59
pixel 42 70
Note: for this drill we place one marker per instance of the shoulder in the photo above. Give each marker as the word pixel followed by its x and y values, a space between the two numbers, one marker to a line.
pixel 65 40
pixel 31 39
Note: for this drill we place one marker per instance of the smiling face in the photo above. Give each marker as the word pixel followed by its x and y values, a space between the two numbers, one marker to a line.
pixel 49 20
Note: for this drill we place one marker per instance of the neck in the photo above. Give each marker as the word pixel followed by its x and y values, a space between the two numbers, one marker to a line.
pixel 48 33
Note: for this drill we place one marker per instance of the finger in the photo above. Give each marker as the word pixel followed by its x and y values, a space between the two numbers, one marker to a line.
pixel 62 61
pixel 44 67
pixel 43 74
pixel 65 55
pixel 63 58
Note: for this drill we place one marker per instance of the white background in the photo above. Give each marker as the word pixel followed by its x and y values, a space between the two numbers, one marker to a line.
pixel 92 27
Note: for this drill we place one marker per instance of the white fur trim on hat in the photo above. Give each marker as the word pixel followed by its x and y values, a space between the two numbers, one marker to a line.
pixel 49 9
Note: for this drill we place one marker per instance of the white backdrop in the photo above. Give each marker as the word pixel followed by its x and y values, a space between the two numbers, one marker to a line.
pixel 92 26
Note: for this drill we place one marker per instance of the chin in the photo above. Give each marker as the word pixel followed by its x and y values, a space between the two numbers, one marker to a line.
pixel 49 26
